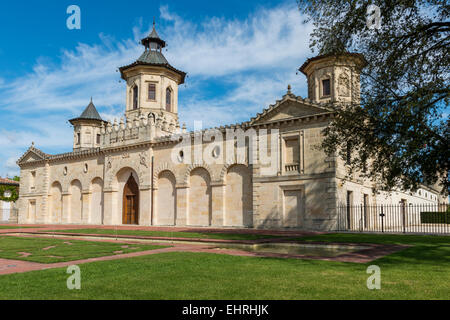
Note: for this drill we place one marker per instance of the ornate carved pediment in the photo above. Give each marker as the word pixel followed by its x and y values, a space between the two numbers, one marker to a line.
pixel 289 107
pixel 32 154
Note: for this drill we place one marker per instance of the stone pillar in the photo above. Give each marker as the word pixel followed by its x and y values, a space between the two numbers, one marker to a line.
pixel 218 204
pixel 86 206
pixel 145 202
pixel 109 196
pixel 65 208
pixel 182 204
pixel 47 216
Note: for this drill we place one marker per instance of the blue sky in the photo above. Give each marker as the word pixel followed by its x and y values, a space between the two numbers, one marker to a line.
pixel 239 55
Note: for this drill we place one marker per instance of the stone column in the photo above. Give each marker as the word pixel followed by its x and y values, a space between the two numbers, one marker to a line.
pixel 145 202
pixel 109 209
pixel 47 216
pixel 182 204
pixel 218 204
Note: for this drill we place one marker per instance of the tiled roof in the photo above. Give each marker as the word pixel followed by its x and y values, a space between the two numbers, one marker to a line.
pixel 349 54
pixel 90 113
pixel 153 57
pixel 9 182
pixel 153 37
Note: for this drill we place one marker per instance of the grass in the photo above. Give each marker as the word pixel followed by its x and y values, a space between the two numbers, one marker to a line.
pixel 15 227
pixel 379 238
pixel 419 272
pixel 64 250
pixel 169 234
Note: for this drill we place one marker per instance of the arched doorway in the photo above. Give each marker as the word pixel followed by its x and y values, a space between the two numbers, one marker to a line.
pixel 130 211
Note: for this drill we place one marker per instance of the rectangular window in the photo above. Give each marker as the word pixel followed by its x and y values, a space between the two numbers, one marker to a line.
pixel 326 87
pixel 78 138
pixel 98 139
pixel 152 92
pixel 291 154
pixel 292 151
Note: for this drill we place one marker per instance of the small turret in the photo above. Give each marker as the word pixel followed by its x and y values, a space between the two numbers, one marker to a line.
pixel 334 78
pixel 87 129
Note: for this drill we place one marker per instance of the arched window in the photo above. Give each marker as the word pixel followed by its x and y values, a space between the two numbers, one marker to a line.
pixel 326 87
pixel 135 97
pixel 168 99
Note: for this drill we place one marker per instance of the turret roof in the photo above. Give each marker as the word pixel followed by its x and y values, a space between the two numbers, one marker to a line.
pixel 152 56
pixel 90 113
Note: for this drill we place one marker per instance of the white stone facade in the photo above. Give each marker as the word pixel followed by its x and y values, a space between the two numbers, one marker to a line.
pixel 91 185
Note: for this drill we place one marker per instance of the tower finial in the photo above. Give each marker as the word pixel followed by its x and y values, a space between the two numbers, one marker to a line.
pixel 154 22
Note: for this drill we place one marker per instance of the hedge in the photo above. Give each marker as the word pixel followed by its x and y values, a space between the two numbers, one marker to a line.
pixel 435 217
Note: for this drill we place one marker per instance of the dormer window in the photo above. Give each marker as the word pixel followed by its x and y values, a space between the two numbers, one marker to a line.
pixel 135 97
pixel 326 87
pixel 168 99
pixel 152 92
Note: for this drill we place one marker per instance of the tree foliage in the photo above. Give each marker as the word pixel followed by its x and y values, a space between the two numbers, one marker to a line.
pixel 12 189
pixel 402 122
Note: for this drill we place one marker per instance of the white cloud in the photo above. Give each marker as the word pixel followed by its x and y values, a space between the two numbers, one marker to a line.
pixel 269 39
pixel 254 59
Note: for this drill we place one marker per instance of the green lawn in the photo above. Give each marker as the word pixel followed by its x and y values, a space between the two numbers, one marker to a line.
pixel 419 272
pixel 64 250
pixel 15 227
pixel 197 235
pixel 417 240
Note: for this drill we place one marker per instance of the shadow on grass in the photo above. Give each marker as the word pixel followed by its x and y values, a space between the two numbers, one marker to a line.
pixel 433 250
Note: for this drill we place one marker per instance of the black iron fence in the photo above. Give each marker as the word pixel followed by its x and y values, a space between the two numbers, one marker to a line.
pixel 397 218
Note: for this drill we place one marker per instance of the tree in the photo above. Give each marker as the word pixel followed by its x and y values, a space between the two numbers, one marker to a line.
pixel 13 190
pixel 402 122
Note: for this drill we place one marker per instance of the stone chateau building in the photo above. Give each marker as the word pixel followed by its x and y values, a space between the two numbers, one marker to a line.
pixel 109 177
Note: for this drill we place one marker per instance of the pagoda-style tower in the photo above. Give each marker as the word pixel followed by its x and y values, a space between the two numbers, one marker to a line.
pixel 87 129
pixel 152 83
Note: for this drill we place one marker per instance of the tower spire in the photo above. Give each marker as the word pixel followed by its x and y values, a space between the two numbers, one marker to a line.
pixel 153 42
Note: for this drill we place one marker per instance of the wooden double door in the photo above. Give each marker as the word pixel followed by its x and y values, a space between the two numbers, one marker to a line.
pixel 130 202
